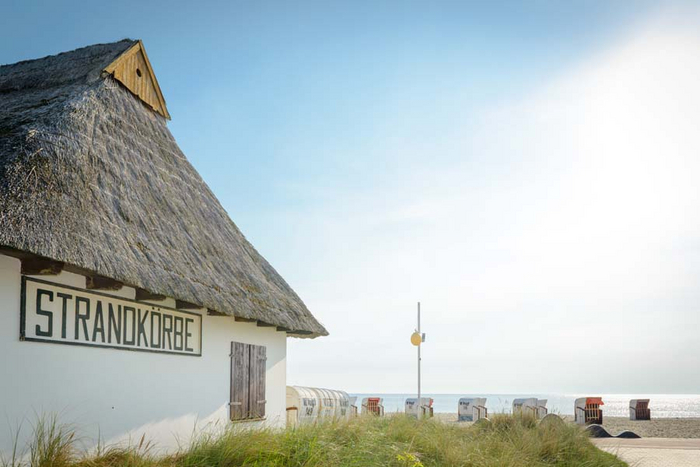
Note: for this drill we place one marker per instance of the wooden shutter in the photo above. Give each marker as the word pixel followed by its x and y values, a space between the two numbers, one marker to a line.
pixel 248 370
pixel 257 381
pixel 240 381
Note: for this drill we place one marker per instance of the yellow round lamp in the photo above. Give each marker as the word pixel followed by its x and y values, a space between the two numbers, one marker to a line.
pixel 416 339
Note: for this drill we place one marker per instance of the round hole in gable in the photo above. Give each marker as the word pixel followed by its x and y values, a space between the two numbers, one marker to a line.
pixel 138 72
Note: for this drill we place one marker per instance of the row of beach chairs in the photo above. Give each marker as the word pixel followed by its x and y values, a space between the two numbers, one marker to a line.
pixel 587 410
pixel 375 406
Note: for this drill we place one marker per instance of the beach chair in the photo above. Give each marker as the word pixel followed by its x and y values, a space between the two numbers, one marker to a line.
pixel 419 410
pixel 353 406
pixel 542 408
pixel 292 416
pixel 639 409
pixel 526 406
pixel 373 405
pixel 481 410
pixel 587 410
pixel 471 409
pixel 427 406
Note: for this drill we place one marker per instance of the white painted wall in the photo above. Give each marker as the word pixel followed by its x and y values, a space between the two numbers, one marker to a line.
pixel 123 394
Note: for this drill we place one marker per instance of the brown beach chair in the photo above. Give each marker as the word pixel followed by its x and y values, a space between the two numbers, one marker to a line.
pixel 373 405
pixel 587 410
pixel 639 409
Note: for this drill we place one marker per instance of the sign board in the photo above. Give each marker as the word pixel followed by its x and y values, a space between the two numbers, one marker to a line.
pixel 68 315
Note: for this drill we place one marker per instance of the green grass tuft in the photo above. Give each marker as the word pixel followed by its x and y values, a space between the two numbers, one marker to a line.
pixel 395 441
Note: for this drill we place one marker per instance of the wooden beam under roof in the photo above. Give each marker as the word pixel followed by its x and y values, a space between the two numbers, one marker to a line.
pixel 37 266
pixel 243 320
pixel 183 305
pixel 143 294
pixel 102 283
pixel 261 324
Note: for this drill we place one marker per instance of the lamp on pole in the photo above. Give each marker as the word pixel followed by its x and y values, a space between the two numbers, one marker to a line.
pixel 417 339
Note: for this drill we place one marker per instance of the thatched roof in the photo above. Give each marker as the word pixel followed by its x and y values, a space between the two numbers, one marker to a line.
pixel 90 176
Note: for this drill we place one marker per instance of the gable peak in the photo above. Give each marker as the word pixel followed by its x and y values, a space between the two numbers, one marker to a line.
pixel 133 69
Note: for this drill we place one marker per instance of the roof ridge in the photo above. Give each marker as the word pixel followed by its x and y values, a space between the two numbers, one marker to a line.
pixel 65 52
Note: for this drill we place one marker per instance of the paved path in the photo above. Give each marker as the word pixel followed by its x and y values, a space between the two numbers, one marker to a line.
pixel 654 452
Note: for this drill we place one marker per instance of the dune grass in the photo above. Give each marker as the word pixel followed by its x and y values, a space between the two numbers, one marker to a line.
pixel 365 441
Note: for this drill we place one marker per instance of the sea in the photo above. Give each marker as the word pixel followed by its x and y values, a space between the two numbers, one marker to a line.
pixel 615 405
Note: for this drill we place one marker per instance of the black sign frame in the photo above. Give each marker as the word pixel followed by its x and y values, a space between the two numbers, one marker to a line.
pixel 23 318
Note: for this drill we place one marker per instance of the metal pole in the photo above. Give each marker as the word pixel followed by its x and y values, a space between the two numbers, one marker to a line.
pixel 420 406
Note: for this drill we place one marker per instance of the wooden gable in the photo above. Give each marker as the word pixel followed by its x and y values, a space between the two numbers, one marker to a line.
pixel 133 70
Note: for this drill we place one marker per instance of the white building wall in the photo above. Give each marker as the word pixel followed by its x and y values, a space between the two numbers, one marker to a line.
pixel 123 394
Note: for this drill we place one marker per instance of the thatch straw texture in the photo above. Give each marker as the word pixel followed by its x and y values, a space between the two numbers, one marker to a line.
pixel 91 176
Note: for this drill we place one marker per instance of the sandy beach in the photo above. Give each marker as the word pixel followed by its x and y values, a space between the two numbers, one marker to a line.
pixel 655 428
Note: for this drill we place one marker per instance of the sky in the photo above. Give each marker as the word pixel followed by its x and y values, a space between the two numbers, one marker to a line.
pixel 526 170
